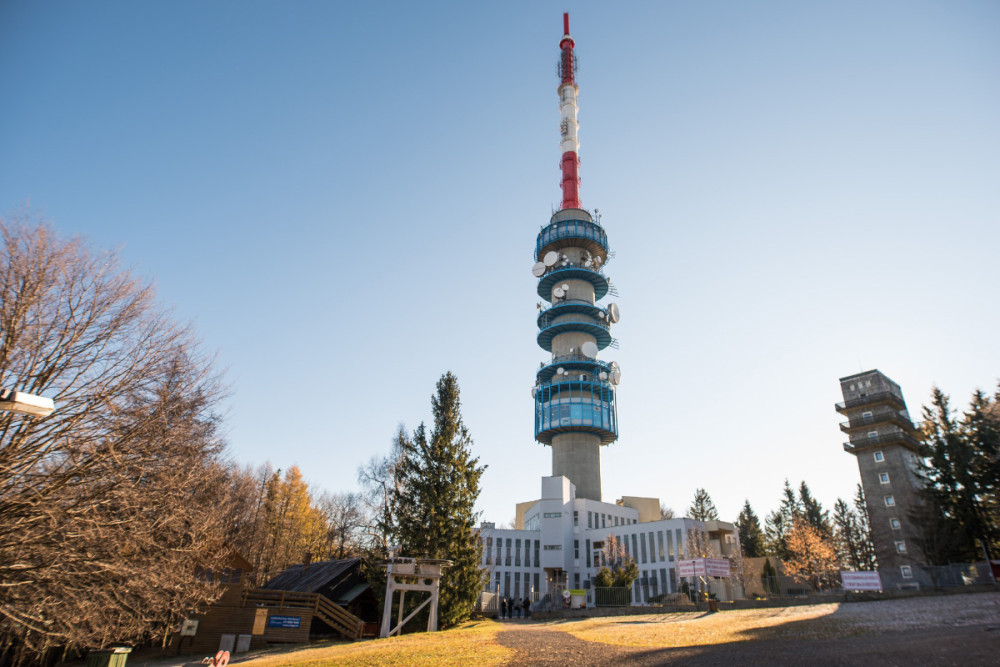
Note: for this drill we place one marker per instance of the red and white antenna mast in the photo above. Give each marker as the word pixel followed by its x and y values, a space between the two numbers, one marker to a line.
pixel 568 126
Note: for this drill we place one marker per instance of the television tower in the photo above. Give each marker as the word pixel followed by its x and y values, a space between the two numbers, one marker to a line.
pixel 575 410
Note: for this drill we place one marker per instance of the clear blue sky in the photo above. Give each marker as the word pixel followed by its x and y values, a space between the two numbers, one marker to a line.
pixel 343 199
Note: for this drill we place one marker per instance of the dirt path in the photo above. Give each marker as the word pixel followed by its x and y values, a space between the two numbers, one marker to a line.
pixel 538 644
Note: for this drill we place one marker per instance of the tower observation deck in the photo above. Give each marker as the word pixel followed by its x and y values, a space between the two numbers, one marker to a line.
pixel 575 409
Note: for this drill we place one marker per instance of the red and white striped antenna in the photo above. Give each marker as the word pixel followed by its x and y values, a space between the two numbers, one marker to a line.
pixel 568 126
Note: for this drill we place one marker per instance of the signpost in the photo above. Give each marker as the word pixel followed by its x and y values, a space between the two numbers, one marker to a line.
pixel 861 581
pixel 703 567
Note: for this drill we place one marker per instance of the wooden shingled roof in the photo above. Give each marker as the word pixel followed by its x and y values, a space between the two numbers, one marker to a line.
pixel 338 580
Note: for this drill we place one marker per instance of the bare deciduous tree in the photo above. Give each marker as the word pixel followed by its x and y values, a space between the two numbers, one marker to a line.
pixel 106 504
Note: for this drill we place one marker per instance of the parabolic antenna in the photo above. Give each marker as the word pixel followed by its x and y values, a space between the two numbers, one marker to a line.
pixel 538 269
pixel 616 377
pixel 558 292
pixel 534 390
pixel 603 375
pixel 613 312
pixel 615 367
pixel 560 371
pixel 589 350
pixel 587 263
pixel 551 257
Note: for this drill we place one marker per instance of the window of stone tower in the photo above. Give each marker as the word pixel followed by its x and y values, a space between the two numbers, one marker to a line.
pixel 879 457
pixel 894 524
pixel 901 547
pixel 873 435
pixel 883 477
pixel 890 501
pixel 906 571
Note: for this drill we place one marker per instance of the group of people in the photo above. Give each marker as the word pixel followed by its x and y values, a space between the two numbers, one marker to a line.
pixel 511 606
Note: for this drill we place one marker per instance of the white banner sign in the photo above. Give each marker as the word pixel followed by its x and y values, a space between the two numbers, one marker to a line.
pixel 703 567
pixel 861 581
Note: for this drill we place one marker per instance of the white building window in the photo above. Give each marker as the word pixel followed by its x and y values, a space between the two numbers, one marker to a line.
pixel 901 546
pixel 906 571
pixel 883 477
pixel 879 457
pixel 873 435
pixel 553 547
pixel 890 501
pixel 894 524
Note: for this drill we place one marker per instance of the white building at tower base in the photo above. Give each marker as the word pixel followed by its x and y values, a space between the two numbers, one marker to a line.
pixel 558 539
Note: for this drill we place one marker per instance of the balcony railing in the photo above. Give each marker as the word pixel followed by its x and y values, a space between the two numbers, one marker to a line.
pixel 871 399
pixel 879 418
pixel 575 271
pixel 896 437
pixel 571 229
pixel 556 319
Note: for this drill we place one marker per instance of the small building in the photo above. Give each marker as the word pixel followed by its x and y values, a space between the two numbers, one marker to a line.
pixel 304 602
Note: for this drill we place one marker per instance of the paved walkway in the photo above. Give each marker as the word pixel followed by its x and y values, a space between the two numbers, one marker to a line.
pixel 538 644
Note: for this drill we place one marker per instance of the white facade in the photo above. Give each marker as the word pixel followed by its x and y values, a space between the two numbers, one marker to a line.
pixel 560 546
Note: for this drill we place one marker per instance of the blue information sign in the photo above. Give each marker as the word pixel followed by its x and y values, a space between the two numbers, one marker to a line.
pixel 284 621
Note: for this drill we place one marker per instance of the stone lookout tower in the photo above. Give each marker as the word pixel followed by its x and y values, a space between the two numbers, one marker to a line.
pixel 884 440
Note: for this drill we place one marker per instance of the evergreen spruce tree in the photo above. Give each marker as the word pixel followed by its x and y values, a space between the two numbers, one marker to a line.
pixel 813 512
pixel 961 468
pixel 866 547
pixel 751 535
pixel 432 504
pixel 702 508
pixel 778 523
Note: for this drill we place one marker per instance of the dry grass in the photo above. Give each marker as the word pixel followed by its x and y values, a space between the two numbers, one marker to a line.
pixel 470 643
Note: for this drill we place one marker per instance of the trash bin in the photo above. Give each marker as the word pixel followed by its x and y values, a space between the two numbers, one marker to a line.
pixel 114 657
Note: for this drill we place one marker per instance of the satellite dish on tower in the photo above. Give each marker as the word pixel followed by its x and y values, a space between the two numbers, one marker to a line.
pixel 615 367
pixel 603 375
pixel 551 257
pixel 560 371
pixel 613 313
pixel 616 377
pixel 534 390
pixel 565 287
pixel 558 292
pixel 589 350
pixel 538 270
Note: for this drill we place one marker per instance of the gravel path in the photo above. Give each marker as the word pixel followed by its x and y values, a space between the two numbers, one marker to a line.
pixel 929 631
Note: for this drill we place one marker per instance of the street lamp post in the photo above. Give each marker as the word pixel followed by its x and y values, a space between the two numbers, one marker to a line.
pixel 25 404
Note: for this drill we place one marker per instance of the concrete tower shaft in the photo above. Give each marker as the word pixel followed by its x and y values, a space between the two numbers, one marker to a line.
pixel 575 409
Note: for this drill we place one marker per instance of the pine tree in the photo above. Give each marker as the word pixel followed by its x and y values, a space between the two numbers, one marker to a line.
pixel 866 546
pixel 433 516
pixel 961 467
pixel 813 512
pixel 751 536
pixel 702 508
pixel 779 523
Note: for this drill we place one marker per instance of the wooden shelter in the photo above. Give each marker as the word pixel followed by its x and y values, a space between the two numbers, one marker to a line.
pixel 303 602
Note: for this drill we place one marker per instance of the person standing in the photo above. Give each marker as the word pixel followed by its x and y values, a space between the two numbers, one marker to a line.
pixel 527 607
pixel 503 607
pixel 517 607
